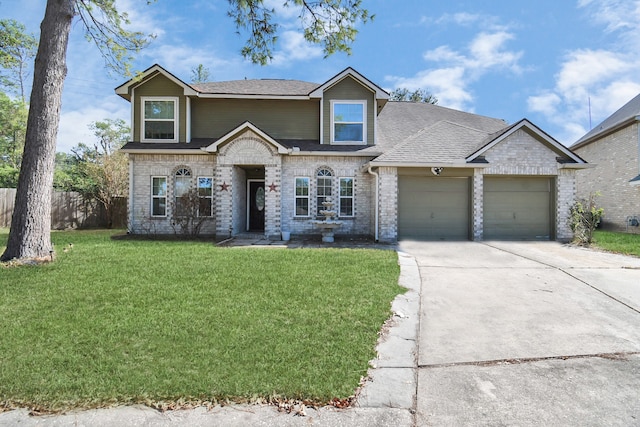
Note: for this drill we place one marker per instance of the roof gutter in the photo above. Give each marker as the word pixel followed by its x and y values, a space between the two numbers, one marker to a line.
pixel 377 202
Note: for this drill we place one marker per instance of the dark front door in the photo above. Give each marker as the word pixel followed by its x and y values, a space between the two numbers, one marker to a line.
pixel 256 205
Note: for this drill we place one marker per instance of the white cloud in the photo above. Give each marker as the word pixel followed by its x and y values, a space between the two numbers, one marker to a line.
pixel 592 84
pixel 293 47
pixel 450 81
pixel 74 125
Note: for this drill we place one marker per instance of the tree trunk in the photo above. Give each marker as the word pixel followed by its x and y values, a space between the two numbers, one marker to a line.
pixel 30 233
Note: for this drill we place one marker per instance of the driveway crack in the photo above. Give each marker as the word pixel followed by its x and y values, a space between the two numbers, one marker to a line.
pixel 523 360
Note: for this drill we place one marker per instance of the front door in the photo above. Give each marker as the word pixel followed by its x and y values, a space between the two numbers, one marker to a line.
pixel 256 206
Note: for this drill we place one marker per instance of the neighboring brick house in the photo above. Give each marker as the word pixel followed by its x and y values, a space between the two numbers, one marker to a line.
pixel 614 148
pixel 264 154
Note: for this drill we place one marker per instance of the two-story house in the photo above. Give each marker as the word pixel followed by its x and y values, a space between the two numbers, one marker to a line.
pixel 263 155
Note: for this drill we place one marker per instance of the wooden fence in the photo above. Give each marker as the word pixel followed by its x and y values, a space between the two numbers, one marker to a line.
pixel 68 210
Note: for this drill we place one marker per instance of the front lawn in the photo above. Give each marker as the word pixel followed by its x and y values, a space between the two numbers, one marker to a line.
pixel 123 321
pixel 623 243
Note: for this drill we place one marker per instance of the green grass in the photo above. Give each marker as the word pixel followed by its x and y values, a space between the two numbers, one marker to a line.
pixel 122 321
pixel 623 243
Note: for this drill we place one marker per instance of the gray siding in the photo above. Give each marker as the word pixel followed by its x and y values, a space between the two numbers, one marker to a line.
pixel 349 89
pixel 287 119
pixel 160 86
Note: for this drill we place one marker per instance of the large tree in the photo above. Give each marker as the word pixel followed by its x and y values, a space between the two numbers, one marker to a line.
pixel 330 23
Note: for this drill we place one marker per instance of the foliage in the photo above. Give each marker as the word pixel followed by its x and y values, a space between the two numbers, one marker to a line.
pixel 105 26
pixel 13 124
pixel 97 172
pixel 139 321
pixel 585 217
pixel 17 49
pixel 186 218
pixel 618 242
pixel 200 74
pixel 418 95
pixel 330 23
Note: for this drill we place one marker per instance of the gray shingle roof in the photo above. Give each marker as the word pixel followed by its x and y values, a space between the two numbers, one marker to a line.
pixel 442 142
pixel 405 129
pixel 263 87
pixel 628 111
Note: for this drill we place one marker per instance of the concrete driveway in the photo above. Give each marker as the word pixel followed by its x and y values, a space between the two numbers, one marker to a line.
pixel 527 333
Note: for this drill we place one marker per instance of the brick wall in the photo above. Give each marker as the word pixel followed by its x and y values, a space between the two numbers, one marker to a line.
pixel 616 162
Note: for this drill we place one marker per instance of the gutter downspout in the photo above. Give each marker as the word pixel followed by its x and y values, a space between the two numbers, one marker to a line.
pixel 131 201
pixel 377 201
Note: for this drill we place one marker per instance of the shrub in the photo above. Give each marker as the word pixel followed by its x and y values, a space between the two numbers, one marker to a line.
pixel 585 217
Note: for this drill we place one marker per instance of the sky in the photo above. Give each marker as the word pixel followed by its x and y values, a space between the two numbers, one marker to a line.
pixel 565 65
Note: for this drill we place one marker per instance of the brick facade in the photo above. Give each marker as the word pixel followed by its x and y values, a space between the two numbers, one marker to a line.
pixel 615 157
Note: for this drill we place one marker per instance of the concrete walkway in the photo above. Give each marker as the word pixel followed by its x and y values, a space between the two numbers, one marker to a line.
pixel 527 334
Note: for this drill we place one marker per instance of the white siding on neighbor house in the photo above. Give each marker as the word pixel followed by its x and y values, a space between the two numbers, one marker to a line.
pixel 616 162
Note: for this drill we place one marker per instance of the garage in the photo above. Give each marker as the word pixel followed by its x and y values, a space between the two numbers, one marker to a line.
pixel 433 208
pixel 518 208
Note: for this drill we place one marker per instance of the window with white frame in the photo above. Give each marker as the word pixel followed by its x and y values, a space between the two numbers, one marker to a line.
pixel 158 196
pixel 348 122
pixel 324 183
pixel 302 196
pixel 346 197
pixel 159 119
pixel 182 184
pixel 205 194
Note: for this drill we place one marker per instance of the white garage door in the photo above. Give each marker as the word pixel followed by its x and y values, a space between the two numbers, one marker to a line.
pixel 433 208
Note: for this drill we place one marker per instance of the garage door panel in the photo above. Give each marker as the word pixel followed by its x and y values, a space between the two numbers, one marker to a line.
pixel 517 208
pixel 433 208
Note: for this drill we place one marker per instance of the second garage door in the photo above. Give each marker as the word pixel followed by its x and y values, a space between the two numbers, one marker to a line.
pixel 517 208
pixel 433 208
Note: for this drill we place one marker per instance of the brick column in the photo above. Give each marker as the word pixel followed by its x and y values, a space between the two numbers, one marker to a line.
pixel 223 196
pixel 565 198
pixel 478 204
pixel 272 201
pixel 388 204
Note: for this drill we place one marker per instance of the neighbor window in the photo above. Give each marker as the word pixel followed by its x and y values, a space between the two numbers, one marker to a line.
pixel 346 197
pixel 348 122
pixel 302 197
pixel 182 185
pixel 205 193
pixel 159 196
pixel 159 119
pixel 323 189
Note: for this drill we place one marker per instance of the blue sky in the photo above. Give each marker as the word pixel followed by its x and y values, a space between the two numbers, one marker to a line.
pixel 546 60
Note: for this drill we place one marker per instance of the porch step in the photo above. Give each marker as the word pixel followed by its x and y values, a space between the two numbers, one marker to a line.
pixel 249 236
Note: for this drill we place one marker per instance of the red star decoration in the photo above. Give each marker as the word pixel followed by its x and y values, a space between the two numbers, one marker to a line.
pixel 224 186
pixel 272 187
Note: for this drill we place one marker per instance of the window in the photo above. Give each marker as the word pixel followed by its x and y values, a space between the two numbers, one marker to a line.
pixel 348 122
pixel 160 119
pixel 346 197
pixel 323 189
pixel 182 184
pixel 159 196
pixel 302 197
pixel 205 193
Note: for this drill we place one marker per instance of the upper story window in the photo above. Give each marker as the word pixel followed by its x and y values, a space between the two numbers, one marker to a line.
pixel 348 122
pixel 159 119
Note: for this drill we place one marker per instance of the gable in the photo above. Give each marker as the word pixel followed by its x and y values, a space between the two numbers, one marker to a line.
pixel 348 89
pixel 521 153
pixel 158 86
